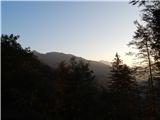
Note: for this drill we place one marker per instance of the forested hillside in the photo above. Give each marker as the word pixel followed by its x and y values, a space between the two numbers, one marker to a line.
pixel 33 90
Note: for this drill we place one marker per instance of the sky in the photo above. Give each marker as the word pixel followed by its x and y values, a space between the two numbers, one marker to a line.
pixel 92 30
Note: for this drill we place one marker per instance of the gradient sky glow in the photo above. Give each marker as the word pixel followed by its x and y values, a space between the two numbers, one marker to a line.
pixel 93 30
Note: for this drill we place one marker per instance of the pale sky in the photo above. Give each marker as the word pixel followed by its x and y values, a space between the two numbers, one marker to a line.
pixel 92 30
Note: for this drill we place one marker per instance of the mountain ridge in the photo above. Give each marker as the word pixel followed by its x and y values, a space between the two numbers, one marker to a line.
pixel 52 59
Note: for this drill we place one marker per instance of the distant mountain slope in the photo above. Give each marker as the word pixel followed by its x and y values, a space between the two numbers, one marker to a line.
pixel 52 59
pixel 106 62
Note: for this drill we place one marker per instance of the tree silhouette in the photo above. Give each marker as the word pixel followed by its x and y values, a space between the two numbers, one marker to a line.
pixel 25 82
pixel 150 16
pixel 142 41
pixel 147 40
pixel 76 89
pixel 123 89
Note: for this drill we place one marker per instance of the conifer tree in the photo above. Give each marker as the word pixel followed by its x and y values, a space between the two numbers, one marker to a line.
pixel 151 27
pixel 76 90
pixel 123 89
pixel 147 41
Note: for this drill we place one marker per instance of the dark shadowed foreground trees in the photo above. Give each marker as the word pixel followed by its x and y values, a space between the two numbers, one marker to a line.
pixel 147 41
pixel 34 91
pixel 75 90
pixel 25 82
pixel 123 90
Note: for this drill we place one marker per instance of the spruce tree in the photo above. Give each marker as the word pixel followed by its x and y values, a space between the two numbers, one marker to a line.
pixel 123 91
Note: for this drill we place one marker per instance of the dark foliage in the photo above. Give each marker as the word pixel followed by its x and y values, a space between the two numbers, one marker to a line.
pixel 123 91
pixel 25 82
pixel 75 90
pixel 147 41
pixel 151 28
pixel 34 91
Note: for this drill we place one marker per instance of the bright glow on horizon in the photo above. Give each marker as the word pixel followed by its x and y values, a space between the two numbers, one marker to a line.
pixel 92 30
